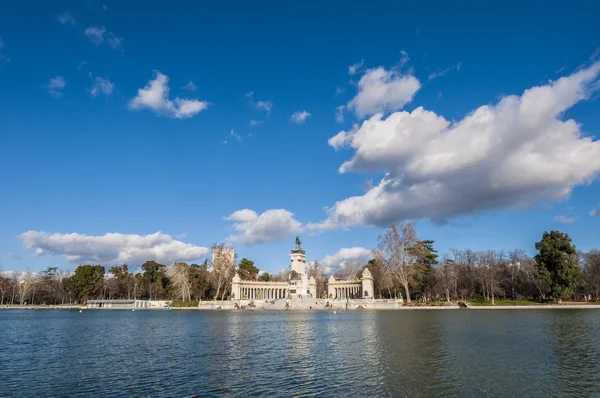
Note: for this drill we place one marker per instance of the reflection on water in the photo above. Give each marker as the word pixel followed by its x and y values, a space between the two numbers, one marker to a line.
pixel 296 353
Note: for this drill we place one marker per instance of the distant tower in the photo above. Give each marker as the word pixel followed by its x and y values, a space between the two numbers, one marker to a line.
pixel 367 284
pixel 299 286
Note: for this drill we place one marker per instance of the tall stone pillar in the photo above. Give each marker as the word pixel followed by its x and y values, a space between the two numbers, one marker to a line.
pixel 312 286
pixel 367 284
pixel 235 287
pixel 330 288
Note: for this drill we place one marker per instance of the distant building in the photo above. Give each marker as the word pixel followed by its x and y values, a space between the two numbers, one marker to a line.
pixel 128 304
pixel 300 285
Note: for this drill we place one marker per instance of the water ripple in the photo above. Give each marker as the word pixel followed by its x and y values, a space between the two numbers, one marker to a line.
pixel 294 353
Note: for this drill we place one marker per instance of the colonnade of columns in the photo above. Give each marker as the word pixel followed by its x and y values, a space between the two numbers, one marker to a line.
pixel 348 292
pixel 271 293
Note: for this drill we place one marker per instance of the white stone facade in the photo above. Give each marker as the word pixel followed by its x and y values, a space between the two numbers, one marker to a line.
pixel 351 289
pixel 299 285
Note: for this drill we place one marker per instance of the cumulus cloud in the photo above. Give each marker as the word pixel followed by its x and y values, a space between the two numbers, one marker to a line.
pixel 101 86
pixel 564 219
pixel 299 117
pixel 99 35
pixel 595 213
pixel 155 96
pixel 66 18
pixel 55 86
pixel 515 153
pixel 355 68
pixel 112 248
pixel 3 58
pixel 270 226
pixel 381 90
pixel 346 255
pixel 256 122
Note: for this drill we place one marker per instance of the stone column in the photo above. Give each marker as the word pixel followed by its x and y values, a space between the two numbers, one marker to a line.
pixel 235 287
pixel 367 284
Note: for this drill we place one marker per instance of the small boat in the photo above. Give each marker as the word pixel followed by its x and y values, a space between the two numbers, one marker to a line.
pixel 167 309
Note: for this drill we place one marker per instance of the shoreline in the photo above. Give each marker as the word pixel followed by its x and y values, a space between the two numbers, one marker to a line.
pixel 366 308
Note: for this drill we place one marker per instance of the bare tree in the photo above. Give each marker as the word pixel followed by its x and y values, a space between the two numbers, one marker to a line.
pixel 448 275
pixel 347 271
pixel 180 277
pixel 223 268
pixel 399 250
pixel 24 285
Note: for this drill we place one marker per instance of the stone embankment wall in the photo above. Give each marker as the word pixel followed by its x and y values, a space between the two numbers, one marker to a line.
pixel 301 304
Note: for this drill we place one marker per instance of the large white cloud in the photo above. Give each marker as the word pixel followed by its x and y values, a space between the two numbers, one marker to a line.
pixel 381 90
pixel 517 152
pixel 112 248
pixel 155 96
pixel 346 255
pixel 271 226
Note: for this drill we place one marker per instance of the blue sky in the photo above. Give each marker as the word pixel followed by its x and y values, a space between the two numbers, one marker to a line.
pixel 89 147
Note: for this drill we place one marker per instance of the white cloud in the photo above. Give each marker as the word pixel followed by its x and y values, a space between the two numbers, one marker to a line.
pixel 354 69
pixel 101 86
pixel 55 86
pixel 442 72
pixel 339 113
pixel 14 256
pixel 190 86
pixel 181 236
pixel 232 135
pixel 339 90
pixel 381 90
pixel 513 154
pixel 271 226
pixel 564 219
pixel 346 255
pixel 66 18
pixel 155 96
pixel 256 122
pixel 3 57
pixel 112 248
pixel 264 105
pixel 595 213
pixel 99 35
pixel 260 105
pixel 300 117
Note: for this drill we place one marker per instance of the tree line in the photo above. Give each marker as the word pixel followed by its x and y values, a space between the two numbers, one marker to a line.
pixel 403 266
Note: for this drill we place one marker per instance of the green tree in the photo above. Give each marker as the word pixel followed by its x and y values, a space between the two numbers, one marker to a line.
pixel 265 277
pixel 557 263
pixel 200 280
pixel 428 260
pixel 124 279
pixel 155 278
pixel 247 270
pixel 87 281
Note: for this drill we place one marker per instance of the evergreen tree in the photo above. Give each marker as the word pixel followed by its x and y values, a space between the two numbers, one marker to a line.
pixel 556 262
pixel 247 270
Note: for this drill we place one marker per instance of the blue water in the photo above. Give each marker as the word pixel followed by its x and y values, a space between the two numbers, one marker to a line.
pixel 537 353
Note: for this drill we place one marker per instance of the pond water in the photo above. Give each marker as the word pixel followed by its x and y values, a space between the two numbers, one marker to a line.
pixel 511 353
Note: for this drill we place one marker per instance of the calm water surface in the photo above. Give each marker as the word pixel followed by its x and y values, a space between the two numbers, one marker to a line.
pixel 511 353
